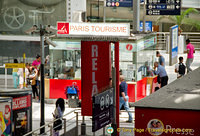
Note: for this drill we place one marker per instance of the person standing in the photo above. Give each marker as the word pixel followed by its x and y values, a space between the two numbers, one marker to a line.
pixel 123 100
pixel 33 76
pixel 36 63
pixel 180 68
pixel 162 73
pixel 190 51
pixel 15 75
pixel 161 59
pixel 58 113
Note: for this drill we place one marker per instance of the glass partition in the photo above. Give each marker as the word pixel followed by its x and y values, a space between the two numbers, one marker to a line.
pixel 19 16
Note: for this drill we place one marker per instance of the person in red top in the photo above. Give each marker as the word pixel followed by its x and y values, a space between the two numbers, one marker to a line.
pixel 190 51
pixel 36 63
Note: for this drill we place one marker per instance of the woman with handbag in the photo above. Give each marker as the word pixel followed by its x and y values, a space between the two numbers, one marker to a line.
pixel 58 114
pixel 33 77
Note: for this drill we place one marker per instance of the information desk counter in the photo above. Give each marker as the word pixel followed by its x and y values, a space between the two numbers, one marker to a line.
pixel 56 88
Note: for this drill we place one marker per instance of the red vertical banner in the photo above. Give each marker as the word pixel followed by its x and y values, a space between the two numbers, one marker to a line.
pixel 95 71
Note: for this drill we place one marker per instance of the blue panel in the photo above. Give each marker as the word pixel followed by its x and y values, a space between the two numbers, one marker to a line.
pixel 148 25
pixel 119 3
pixel 163 7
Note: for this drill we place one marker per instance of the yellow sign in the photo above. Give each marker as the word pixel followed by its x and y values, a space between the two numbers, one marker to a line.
pixel 14 65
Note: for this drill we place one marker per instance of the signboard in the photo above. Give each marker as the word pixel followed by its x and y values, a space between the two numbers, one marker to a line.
pixel 163 7
pixel 102 109
pixel 93 29
pixel 148 26
pixel 14 65
pixel 119 3
pixel 173 44
pixel 95 71
pixel 22 102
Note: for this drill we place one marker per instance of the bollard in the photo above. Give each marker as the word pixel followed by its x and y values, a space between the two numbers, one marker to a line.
pixel 51 130
pixel 65 125
pixel 104 131
pixel 83 127
pixel 76 133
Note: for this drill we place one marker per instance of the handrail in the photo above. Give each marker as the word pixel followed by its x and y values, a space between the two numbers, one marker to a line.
pixel 49 123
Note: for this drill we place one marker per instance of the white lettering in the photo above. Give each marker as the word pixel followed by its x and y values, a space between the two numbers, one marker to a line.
pixel 93 78
pixel 94 90
pixel 94 68
pixel 94 64
pixel 94 51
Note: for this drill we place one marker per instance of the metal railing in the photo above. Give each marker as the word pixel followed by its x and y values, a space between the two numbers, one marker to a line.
pixel 64 130
pixel 49 132
pixel 162 39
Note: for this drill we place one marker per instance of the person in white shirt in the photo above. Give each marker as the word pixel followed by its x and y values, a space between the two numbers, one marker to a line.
pixel 180 68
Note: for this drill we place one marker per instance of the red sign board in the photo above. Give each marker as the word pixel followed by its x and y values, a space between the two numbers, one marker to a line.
pixel 95 71
pixel 62 28
pixel 166 122
pixel 21 102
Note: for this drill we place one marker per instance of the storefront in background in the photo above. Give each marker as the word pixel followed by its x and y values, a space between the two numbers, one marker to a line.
pixel 22 110
pixel 136 60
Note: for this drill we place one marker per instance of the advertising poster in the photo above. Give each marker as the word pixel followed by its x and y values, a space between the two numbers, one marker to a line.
pixel 22 115
pixel 5 119
pixel 173 45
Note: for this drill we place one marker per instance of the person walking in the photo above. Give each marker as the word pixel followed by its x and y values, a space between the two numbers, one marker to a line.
pixel 15 75
pixel 161 59
pixel 180 68
pixel 190 57
pixel 58 113
pixel 123 100
pixel 162 73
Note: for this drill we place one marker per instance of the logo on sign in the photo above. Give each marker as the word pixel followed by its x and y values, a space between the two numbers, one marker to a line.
pixel 63 28
pixel 110 130
pixel 154 126
pixel 129 47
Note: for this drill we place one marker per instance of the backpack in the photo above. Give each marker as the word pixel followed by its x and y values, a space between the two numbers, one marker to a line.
pixel 181 68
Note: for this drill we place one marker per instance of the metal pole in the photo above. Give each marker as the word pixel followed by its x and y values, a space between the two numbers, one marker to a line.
pixel 76 124
pixel 117 82
pixel 104 131
pixel 65 126
pixel 24 72
pixel 42 114
pixel 83 126
pixel 98 12
pixel 6 78
pixel 114 124
pixel 136 15
pixel 104 11
pixel 144 11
